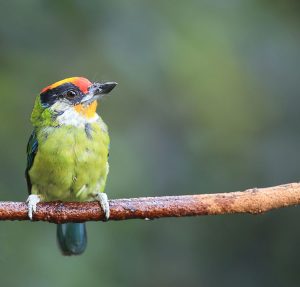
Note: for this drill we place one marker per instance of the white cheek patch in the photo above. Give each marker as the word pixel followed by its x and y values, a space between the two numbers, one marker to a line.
pixel 73 118
pixel 60 105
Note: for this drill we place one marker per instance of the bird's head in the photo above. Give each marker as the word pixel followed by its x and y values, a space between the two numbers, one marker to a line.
pixel 76 96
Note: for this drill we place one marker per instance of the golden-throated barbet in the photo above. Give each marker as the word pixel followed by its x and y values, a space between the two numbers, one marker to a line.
pixel 67 152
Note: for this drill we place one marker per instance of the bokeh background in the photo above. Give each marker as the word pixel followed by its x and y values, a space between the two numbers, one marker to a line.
pixel 208 101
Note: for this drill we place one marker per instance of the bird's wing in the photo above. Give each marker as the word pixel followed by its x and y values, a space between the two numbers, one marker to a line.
pixel 32 148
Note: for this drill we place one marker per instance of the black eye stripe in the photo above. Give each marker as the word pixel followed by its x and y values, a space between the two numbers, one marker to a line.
pixel 49 97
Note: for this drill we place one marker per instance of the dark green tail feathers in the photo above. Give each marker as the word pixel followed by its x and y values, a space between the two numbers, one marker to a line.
pixel 71 238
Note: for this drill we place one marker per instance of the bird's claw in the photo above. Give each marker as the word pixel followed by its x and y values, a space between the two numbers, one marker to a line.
pixel 103 200
pixel 32 201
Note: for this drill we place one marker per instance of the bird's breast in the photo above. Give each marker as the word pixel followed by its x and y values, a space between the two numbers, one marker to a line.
pixel 70 158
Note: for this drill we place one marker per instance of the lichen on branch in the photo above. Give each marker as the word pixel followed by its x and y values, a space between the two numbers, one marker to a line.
pixel 253 201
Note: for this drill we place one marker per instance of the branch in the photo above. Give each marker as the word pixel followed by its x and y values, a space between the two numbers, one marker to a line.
pixel 253 201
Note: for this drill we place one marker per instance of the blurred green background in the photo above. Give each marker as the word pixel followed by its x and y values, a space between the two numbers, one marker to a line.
pixel 208 101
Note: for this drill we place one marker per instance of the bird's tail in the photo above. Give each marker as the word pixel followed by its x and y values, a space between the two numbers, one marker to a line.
pixel 71 238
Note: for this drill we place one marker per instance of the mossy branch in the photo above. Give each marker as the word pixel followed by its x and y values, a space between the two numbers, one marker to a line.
pixel 253 201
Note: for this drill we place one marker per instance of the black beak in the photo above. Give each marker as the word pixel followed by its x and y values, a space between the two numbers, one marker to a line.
pixel 101 89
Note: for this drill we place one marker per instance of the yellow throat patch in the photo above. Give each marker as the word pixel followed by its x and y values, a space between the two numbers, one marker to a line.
pixel 88 111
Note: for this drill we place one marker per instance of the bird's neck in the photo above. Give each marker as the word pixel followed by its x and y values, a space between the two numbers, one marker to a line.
pixel 78 117
pixel 55 116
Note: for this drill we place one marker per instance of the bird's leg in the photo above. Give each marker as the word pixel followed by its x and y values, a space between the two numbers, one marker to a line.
pixel 32 201
pixel 103 200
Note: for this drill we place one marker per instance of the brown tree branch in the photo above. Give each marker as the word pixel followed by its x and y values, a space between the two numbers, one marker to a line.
pixel 253 201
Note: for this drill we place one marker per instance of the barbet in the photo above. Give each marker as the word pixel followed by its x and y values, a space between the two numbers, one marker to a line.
pixel 67 153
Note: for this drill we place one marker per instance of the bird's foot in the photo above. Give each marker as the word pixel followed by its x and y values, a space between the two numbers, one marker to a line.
pixel 32 201
pixel 103 200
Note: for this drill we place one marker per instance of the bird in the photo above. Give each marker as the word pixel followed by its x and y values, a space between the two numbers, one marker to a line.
pixel 67 153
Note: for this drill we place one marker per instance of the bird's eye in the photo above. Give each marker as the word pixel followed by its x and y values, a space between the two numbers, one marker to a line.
pixel 71 94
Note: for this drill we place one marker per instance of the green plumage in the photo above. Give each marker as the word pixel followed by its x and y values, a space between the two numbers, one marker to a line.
pixel 71 163
pixel 67 162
